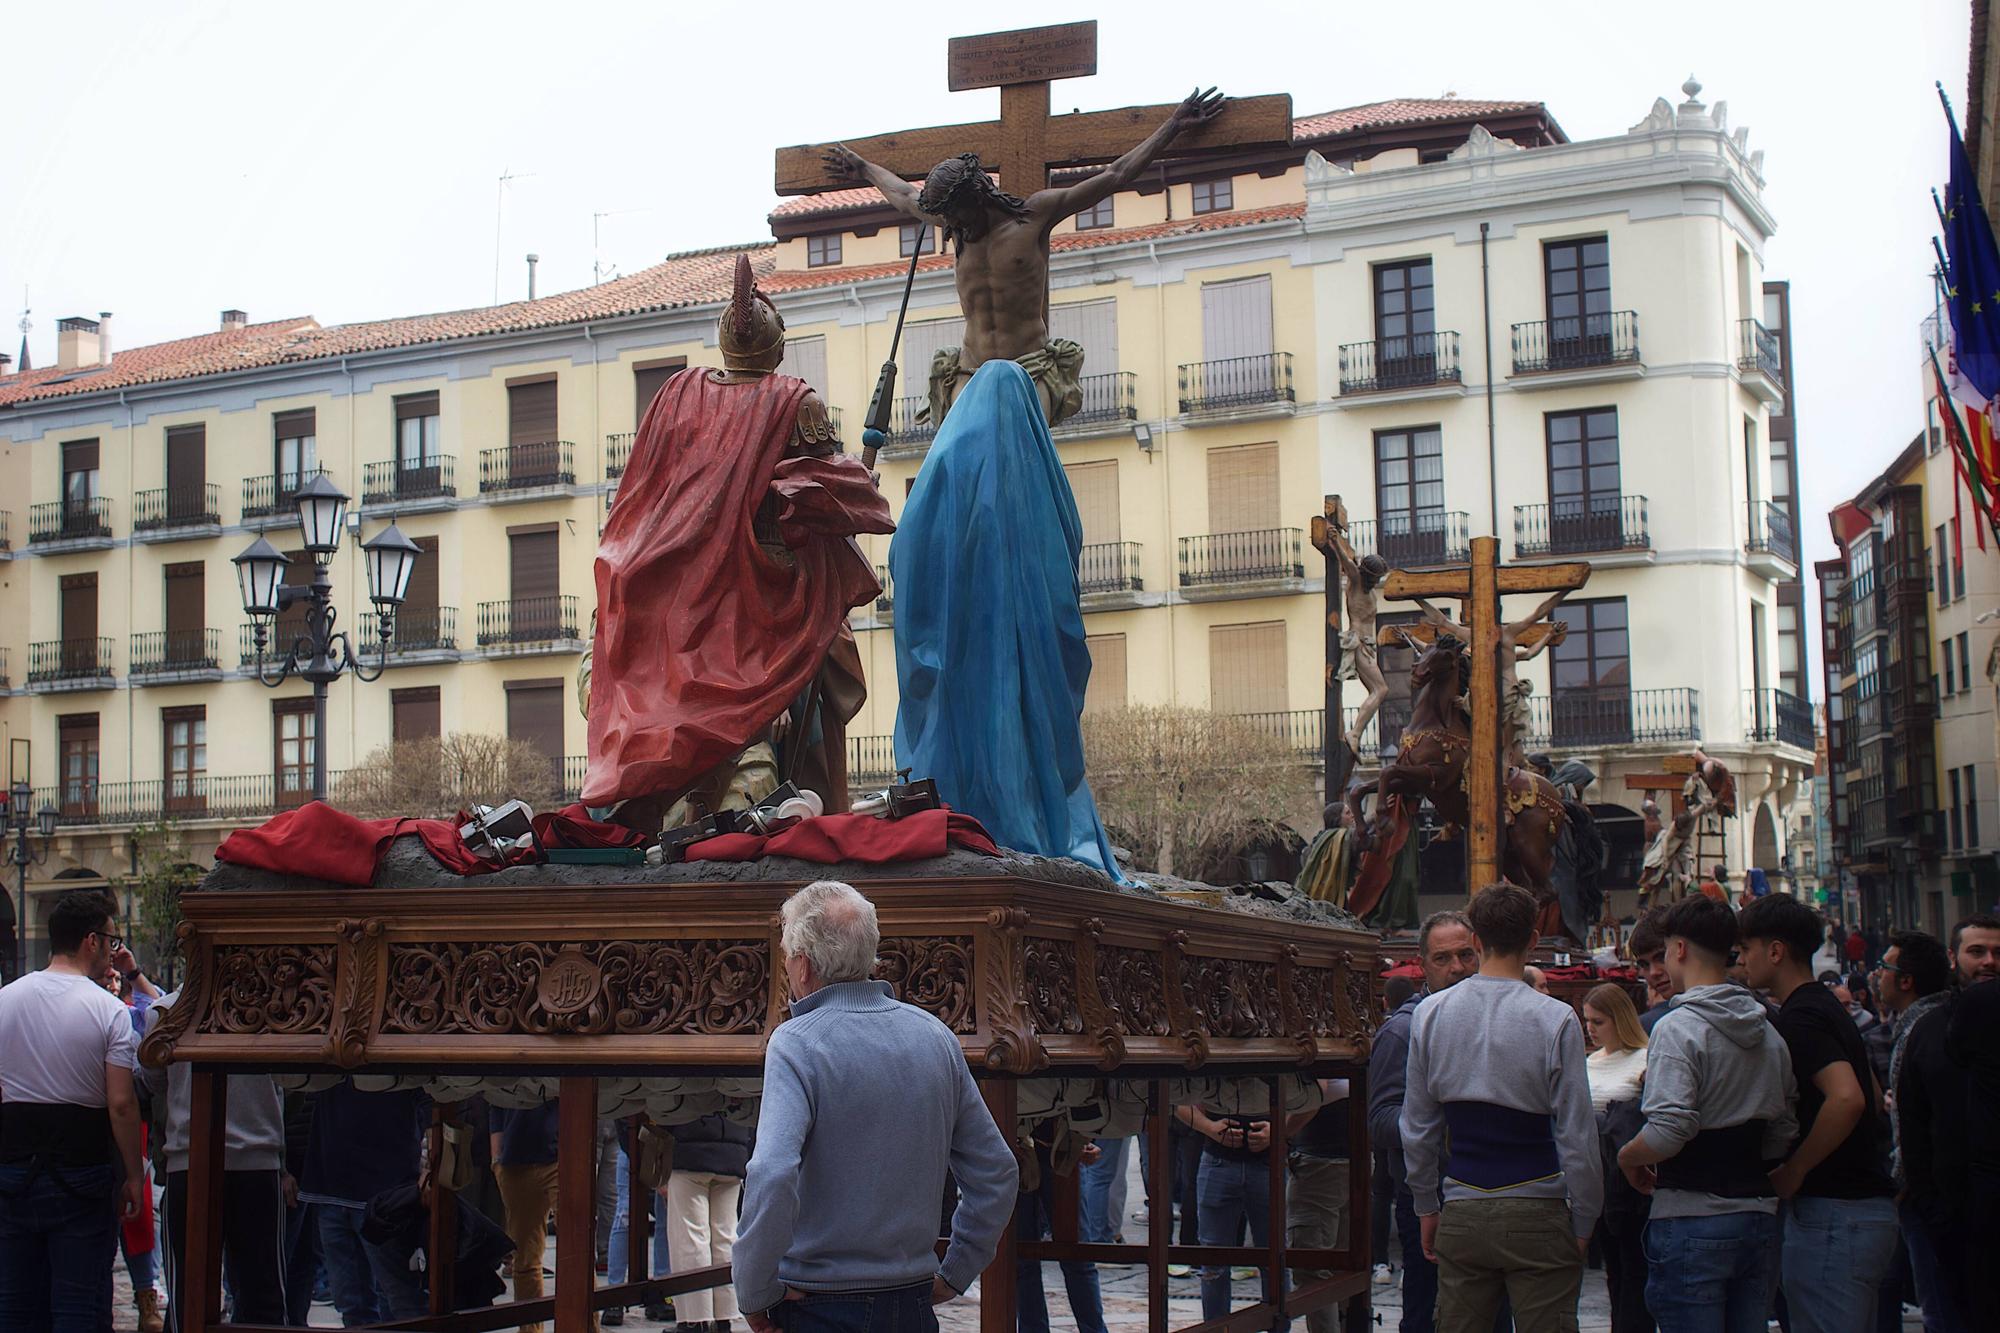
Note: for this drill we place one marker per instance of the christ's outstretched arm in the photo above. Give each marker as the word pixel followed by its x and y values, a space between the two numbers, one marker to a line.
pixel 1052 206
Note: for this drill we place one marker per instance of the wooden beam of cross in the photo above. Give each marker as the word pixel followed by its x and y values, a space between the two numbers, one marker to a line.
pixel 1677 768
pixel 1336 759
pixel 1392 636
pixel 1026 142
pixel 1481 585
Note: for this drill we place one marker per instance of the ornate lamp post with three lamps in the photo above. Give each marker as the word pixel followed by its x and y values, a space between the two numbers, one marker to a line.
pixel 320 653
pixel 22 853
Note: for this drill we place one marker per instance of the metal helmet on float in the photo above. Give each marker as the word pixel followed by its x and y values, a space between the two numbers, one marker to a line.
pixel 751 332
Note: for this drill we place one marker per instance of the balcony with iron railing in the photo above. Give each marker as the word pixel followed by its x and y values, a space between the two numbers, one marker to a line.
pixel 272 499
pixel 1110 403
pixel 1576 343
pixel 1221 561
pixel 398 484
pixel 1598 715
pixel 5 678
pixel 1596 525
pixel 536 466
pixel 79 523
pixel 175 654
pixel 1414 541
pixel 70 664
pixel 1757 359
pixel 177 511
pixel 6 531
pixel 1384 732
pixel 1237 382
pixel 423 633
pixel 548 623
pixel 1775 715
pixel 618 453
pixel 1302 731
pixel 907 435
pixel 1421 361
pixel 1109 567
pixel 885 603
pixel 1769 541
pixel 871 761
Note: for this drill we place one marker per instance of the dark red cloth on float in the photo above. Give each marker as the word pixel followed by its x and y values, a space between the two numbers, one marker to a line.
pixel 831 839
pixel 317 841
pixel 702 638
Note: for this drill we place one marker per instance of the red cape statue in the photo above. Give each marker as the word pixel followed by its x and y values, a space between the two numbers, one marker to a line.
pixel 704 635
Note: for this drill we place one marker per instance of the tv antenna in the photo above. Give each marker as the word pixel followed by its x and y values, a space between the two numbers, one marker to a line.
pixel 499 210
pixel 599 270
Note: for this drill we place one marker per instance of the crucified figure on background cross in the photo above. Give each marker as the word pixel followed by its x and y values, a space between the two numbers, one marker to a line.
pixel 1514 691
pixel 1359 655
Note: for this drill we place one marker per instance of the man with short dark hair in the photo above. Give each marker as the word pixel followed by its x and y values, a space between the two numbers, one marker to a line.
pixel 1498 1070
pixel 1648 947
pixel 1718 1106
pixel 1914 980
pixel 1975 949
pixel 1448 955
pixel 1839 1232
pixel 1972 1040
pixel 69 1152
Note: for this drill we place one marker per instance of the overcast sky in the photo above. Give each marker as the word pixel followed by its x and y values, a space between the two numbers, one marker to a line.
pixel 165 160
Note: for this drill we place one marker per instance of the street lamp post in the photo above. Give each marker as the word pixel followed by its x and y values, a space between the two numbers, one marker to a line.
pixel 23 855
pixel 320 654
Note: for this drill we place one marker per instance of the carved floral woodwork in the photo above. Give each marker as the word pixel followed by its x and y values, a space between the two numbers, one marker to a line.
pixel 933 974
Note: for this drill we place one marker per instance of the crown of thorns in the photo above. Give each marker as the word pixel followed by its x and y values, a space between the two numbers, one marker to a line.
pixel 957 173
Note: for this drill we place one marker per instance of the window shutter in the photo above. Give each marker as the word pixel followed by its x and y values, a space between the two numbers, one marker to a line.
pixel 647 381
pixel 415 714
pixel 535 715
pixel 80 456
pixel 532 563
pixel 1236 319
pixel 806 358
pixel 187 463
pixel 1243 488
pixel 1246 668
pixel 422 594
pixel 415 405
pixel 305 421
pixel 1107 673
pixel 185 586
pixel 1093 324
pixel 1095 486
pixel 920 343
pixel 79 607
pixel 531 412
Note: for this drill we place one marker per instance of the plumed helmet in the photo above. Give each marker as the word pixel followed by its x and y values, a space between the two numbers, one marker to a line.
pixel 752 332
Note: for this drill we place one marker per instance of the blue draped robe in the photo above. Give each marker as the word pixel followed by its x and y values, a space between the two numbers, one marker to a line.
pixel 990 650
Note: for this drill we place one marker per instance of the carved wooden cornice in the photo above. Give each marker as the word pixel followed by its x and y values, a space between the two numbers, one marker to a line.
pixel 1032 977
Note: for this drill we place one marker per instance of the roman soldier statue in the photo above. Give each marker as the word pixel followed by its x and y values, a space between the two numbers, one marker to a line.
pixel 722 662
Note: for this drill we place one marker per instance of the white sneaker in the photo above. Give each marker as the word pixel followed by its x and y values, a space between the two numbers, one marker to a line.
pixel 1383 1277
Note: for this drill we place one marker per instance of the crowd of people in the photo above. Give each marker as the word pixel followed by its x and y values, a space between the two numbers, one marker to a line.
pixel 1765 1139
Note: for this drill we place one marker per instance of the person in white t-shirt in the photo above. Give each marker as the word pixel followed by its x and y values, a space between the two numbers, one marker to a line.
pixel 69 1128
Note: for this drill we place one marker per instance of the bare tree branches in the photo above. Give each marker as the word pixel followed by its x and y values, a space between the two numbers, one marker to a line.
pixel 435 778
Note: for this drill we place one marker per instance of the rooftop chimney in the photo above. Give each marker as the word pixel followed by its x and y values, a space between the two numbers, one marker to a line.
pixel 76 343
pixel 532 261
pixel 6 363
pixel 104 337
pixel 234 319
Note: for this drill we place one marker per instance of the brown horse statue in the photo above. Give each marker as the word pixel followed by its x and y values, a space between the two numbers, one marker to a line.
pixel 1430 763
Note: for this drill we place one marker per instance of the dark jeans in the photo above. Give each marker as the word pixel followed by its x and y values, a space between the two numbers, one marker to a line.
pixel 1420 1275
pixel 58 1238
pixel 895 1310
pixel 301 1261
pixel 1031 1306
pixel 1624 1252
pixel 369 1286
pixel 1381 1208
pixel 253 1245
pixel 1712 1274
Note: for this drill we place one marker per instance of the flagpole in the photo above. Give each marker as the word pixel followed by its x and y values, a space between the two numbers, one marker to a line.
pixel 1948 112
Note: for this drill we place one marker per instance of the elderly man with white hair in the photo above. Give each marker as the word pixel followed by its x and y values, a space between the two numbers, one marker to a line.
pixel 868 1104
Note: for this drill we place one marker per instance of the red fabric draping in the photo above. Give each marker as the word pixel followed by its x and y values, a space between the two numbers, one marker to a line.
pixel 317 841
pixel 831 839
pixel 1392 830
pixel 702 638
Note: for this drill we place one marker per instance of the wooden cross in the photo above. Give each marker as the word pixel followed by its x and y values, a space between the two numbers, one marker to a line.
pixel 1026 141
pixel 1481 585
pixel 1391 636
pixel 1677 767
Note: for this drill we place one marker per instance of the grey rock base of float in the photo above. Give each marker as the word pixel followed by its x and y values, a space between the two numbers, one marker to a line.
pixel 406 865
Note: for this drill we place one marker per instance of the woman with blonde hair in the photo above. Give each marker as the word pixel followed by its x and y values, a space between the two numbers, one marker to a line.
pixel 1616 1068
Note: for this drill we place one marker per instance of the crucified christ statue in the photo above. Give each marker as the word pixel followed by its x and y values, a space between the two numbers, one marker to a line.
pixel 1514 691
pixel 1359 658
pixel 1003 255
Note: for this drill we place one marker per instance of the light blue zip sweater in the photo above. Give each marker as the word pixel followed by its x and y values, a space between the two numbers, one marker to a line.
pixel 867 1104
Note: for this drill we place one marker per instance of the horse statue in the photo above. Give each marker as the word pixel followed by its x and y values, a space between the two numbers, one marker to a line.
pixel 1430 763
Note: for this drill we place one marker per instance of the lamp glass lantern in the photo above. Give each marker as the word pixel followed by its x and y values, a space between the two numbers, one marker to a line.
pixel 392 558
pixel 45 821
pixel 18 799
pixel 259 570
pixel 322 511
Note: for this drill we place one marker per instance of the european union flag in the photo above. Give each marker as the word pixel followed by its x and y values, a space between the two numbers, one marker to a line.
pixel 1973 286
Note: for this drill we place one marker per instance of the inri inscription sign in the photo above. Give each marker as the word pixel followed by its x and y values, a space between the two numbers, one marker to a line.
pixel 1025 55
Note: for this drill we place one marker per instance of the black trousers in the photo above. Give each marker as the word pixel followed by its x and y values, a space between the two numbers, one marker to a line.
pixel 253 1245
pixel 1625 1275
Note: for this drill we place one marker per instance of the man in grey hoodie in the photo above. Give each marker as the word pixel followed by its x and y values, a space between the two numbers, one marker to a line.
pixel 254 1185
pixel 1719 1107
pixel 867 1104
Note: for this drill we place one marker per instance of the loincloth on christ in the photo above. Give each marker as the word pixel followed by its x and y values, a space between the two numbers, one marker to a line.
pixel 1056 369
pixel 1354 647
